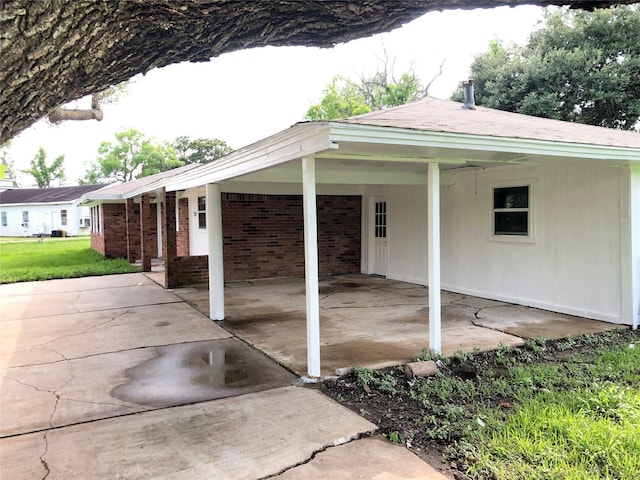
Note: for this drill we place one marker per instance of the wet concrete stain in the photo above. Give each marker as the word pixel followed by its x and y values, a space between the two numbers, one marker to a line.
pixel 199 371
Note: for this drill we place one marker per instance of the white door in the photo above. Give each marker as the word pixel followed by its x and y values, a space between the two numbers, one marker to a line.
pixel 380 253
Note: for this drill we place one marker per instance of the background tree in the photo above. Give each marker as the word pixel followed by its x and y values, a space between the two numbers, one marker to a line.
pixel 345 98
pixel 7 169
pixel 580 67
pixel 130 157
pixel 44 174
pixel 200 150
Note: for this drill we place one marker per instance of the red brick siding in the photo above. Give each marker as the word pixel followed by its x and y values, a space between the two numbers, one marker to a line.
pixel 113 242
pixel 133 232
pixel 264 235
pixel 97 242
pixel 182 236
pixel 114 227
pixel 189 271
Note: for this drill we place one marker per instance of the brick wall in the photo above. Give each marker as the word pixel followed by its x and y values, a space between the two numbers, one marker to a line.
pixel 114 227
pixel 189 271
pixel 97 243
pixel 182 236
pixel 113 242
pixel 133 232
pixel 264 235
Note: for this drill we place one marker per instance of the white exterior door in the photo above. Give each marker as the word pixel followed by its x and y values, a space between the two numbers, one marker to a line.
pixel 380 251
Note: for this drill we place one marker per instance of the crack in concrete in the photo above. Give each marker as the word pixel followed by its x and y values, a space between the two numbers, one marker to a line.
pixel 315 453
pixel 42 460
pixel 495 329
pixel 97 326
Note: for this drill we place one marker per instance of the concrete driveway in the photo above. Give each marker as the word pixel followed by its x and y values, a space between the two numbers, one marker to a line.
pixel 115 377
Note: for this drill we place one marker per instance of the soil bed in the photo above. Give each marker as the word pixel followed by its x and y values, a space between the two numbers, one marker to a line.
pixel 433 416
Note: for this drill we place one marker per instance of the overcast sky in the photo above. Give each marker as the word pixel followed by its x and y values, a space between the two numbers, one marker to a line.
pixel 245 96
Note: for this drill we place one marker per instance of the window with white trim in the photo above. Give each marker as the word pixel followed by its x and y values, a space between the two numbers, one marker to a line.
pixel 25 219
pixel 202 212
pixel 512 211
pixel 4 219
pixel 380 223
pixel 63 217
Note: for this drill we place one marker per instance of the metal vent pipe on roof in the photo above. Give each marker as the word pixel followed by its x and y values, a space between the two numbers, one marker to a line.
pixel 469 95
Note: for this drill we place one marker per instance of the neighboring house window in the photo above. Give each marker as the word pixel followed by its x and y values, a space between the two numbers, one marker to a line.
pixel 202 212
pixel 63 217
pixel 512 211
pixel 25 219
pixel 4 219
pixel 381 220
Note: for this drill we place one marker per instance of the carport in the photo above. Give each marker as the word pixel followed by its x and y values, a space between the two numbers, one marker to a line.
pixel 399 160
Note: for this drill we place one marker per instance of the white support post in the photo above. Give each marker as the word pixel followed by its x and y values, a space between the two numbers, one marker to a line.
pixel 433 225
pixel 216 266
pixel 311 266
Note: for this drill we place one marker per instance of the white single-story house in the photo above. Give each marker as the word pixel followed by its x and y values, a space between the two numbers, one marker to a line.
pixel 483 202
pixel 25 212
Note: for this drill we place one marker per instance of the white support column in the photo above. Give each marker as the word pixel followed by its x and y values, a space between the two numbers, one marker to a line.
pixel 633 295
pixel 433 225
pixel 216 266
pixel 159 207
pixel 311 265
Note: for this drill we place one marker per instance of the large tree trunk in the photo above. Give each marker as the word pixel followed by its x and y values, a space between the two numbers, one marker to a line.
pixel 55 51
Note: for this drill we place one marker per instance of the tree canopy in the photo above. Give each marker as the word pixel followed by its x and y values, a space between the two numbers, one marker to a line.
pixel 45 174
pixel 130 157
pixel 345 98
pixel 133 155
pixel 56 52
pixel 7 168
pixel 580 67
pixel 200 150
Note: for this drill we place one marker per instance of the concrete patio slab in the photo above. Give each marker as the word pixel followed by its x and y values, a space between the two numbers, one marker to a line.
pixel 52 338
pixel 121 383
pixel 373 321
pixel 263 434
pixel 369 458
pixel 530 322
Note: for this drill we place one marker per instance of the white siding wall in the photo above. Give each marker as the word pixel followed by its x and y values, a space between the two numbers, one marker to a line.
pixel 43 218
pixel 198 242
pixel 573 266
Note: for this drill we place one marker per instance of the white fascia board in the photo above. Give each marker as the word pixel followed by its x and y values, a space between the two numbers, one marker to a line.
pixel 304 139
pixel 347 132
pixel 37 204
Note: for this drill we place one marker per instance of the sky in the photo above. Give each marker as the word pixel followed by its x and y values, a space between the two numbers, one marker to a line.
pixel 244 96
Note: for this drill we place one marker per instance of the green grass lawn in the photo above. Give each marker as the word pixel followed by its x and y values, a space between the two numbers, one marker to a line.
pixel 565 409
pixel 23 260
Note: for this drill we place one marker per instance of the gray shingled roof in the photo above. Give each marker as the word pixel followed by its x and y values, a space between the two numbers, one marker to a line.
pixel 45 195
pixel 433 114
